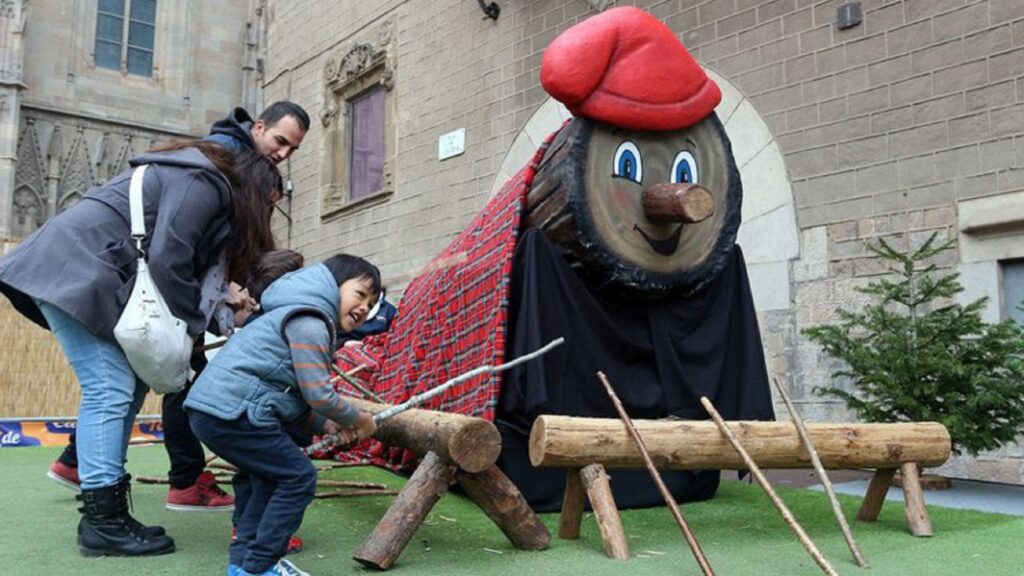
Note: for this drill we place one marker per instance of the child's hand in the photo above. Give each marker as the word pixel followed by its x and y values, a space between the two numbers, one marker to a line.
pixel 365 426
pixel 344 435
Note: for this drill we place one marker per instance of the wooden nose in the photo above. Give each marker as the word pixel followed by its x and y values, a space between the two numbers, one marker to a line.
pixel 665 202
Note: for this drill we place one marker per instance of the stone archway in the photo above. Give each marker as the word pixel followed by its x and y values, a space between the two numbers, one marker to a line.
pixel 768 234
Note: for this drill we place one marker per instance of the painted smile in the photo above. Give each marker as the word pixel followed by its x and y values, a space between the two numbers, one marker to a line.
pixel 664 247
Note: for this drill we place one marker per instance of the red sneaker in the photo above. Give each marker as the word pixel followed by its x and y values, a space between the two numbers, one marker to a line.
pixel 64 475
pixel 294 543
pixel 203 496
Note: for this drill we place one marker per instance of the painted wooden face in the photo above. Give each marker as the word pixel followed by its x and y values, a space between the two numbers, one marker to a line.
pixel 620 164
pixel 591 193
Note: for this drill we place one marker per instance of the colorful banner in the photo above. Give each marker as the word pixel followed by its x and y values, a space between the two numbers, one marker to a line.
pixel 18 433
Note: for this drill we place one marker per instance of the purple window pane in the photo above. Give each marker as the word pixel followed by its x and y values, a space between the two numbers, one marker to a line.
pixel 366 144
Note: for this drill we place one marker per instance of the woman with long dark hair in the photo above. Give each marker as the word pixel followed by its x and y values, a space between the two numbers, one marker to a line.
pixel 204 208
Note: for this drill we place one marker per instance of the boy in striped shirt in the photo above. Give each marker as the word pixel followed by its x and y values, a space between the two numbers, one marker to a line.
pixel 275 372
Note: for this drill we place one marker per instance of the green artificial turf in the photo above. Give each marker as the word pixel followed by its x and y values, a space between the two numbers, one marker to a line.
pixel 740 531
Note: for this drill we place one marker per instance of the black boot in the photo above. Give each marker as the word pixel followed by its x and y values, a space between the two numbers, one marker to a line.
pixel 107 529
pixel 126 483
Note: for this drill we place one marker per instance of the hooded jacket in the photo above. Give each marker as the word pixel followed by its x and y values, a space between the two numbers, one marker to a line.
pixel 233 132
pixel 253 374
pixel 83 260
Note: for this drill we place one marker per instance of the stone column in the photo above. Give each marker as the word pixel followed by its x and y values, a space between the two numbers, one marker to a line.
pixel 13 14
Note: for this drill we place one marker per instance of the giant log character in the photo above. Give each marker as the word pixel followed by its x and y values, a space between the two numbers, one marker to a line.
pixel 629 252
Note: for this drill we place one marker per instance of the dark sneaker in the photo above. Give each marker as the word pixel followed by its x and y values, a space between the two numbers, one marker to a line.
pixel 203 496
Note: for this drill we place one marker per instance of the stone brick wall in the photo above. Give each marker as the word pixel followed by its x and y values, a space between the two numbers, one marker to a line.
pixel 885 128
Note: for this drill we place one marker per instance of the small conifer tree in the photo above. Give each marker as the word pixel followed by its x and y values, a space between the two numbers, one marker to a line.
pixel 916 355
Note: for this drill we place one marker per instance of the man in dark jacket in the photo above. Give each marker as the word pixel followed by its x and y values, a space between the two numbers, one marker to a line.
pixel 276 134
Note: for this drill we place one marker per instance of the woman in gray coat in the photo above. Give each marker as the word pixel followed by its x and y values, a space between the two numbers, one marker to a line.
pixel 74 275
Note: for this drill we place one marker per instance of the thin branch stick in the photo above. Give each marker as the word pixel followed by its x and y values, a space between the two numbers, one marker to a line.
pixel 779 504
pixel 816 460
pixel 336 465
pixel 347 484
pixel 333 439
pixel 351 493
pixel 152 480
pixel 225 466
pixel 691 540
pixel 487 369
pixel 347 377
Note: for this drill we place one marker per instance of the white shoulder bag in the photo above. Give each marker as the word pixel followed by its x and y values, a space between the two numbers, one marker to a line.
pixel 156 343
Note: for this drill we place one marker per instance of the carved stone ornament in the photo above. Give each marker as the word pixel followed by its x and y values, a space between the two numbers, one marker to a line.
pixel 353 60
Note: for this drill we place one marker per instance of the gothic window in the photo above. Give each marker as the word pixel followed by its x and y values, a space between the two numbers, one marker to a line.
pixel 125 31
pixel 359 118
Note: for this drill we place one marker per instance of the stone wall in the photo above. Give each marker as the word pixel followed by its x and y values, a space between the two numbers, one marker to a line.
pixel 76 124
pixel 885 129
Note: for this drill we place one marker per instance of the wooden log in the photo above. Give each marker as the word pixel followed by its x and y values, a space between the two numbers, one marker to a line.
pixel 503 503
pixel 426 486
pixel 599 490
pixel 664 202
pixel 568 442
pixel 572 506
pixel 472 444
pixel 914 509
pixel 875 496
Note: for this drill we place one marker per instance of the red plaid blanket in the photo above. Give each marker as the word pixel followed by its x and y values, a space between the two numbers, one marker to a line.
pixel 451 319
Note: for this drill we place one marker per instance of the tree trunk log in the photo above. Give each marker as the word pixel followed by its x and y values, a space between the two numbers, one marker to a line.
pixel 875 496
pixel 570 442
pixel 470 443
pixel 599 490
pixel 395 529
pixel 917 514
pixel 499 498
pixel 572 506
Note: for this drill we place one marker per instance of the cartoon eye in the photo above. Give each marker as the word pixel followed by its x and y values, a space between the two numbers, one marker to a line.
pixel 628 163
pixel 684 169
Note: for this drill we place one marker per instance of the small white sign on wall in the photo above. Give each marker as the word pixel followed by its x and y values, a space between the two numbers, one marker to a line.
pixel 451 144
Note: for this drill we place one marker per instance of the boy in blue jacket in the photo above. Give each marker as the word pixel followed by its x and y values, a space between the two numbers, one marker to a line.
pixel 273 373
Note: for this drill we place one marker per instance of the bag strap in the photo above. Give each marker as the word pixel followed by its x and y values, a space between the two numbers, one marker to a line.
pixel 136 207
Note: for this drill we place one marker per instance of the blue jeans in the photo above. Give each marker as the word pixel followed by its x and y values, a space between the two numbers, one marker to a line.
pixel 111 396
pixel 282 482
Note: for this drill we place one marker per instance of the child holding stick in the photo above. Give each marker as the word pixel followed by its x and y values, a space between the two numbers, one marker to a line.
pixel 269 375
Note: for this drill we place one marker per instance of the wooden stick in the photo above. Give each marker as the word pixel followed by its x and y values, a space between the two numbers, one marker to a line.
pixel 779 504
pixel 348 378
pixel 219 466
pixel 336 465
pixel 353 493
pixel 347 484
pixel 691 540
pixel 829 490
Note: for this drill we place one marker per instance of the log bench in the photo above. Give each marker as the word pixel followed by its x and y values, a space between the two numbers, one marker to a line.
pixel 454 448
pixel 587 446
